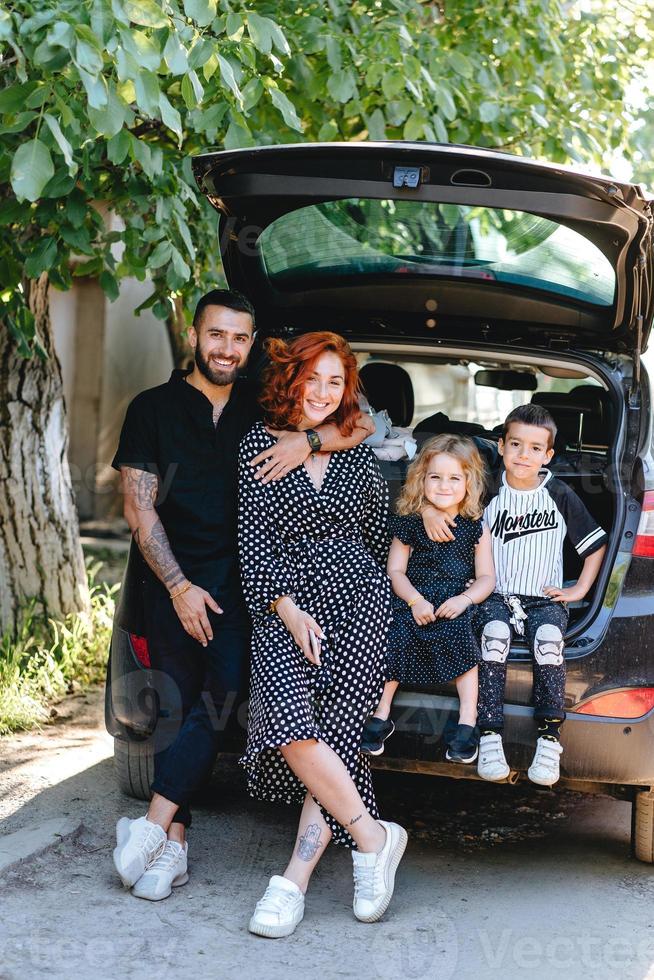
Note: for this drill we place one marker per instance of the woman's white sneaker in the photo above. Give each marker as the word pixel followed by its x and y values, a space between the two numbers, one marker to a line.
pixel 170 870
pixel 374 874
pixel 279 911
pixel 545 766
pixel 492 763
pixel 140 842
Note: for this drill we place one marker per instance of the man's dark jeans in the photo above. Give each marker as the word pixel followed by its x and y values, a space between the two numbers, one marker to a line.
pixel 197 687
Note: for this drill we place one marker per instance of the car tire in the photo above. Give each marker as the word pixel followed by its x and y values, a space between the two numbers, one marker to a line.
pixel 642 827
pixel 134 767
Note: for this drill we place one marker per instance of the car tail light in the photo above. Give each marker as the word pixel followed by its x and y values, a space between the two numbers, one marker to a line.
pixel 140 648
pixel 630 703
pixel 644 543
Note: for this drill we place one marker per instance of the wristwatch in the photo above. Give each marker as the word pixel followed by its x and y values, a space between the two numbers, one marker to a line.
pixel 314 440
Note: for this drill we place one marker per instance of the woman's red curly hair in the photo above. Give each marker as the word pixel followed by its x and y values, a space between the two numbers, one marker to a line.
pixel 291 365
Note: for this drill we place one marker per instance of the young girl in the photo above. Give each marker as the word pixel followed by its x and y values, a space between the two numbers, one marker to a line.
pixel 431 639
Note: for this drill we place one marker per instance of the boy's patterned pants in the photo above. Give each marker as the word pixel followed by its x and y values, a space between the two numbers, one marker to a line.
pixel 545 628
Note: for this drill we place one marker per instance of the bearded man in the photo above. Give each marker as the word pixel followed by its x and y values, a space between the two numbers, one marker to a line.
pixel 177 458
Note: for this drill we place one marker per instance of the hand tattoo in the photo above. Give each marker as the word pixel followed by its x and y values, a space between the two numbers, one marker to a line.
pixel 309 842
pixel 354 819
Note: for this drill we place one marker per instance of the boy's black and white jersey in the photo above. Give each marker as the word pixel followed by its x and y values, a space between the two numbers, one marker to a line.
pixel 528 528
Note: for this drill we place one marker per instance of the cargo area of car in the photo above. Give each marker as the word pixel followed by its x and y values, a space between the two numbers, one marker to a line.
pixel 428 392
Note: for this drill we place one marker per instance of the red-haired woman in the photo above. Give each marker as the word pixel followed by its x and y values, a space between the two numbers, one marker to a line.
pixel 312 548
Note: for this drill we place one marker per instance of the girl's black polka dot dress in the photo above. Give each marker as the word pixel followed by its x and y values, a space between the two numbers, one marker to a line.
pixel 447 648
pixel 327 549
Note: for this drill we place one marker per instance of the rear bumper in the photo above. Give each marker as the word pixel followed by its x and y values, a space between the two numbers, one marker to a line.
pixel 601 750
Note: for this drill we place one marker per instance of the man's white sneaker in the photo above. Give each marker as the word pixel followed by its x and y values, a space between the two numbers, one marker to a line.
pixel 170 870
pixel 545 769
pixel 374 874
pixel 492 763
pixel 279 911
pixel 140 842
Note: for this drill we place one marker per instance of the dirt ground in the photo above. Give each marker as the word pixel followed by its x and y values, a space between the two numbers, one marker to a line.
pixel 498 881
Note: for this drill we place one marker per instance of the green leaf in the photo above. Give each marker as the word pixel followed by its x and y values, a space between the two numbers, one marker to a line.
pixel 260 31
pixel 376 125
pixel 62 142
pixel 201 11
pixel 76 209
pixel 160 255
pixel 146 87
pixel 287 109
pixel 87 57
pixel 147 13
pixel 145 50
pixel 328 131
pixel 15 97
pixel 333 51
pixel 179 265
pixel 78 239
pixel 252 93
pixel 234 27
pixel 91 268
pixel 489 111
pixel 414 126
pixel 237 135
pixel 392 84
pixel 109 284
pixel 41 258
pixel 143 155
pixel 192 91
pixel 440 128
pixel 186 236
pixel 109 120
pixel 170 117
pixel 227 75
pixel 460 64
pixel 446 103
pixel 96 89
pixel 22 120
pixel 342 86
pixel 31 169
pixel 174 54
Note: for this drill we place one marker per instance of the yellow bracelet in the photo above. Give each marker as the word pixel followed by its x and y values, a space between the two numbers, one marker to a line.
pixel 412 602
pixel 272 608
pixel 184 588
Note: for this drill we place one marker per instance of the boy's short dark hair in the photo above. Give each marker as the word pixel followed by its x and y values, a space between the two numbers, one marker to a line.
pixel 531 415
pixel 229 298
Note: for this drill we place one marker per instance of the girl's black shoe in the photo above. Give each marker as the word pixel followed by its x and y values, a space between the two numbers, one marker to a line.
pixel 375 733
pixel 464 746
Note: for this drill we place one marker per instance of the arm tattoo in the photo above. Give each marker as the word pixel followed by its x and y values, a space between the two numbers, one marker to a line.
pixel 141 487
pixel 354 819
pixel 309 842
pixel 156 550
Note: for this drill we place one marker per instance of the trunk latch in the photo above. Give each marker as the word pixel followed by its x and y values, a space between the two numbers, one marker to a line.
pixel 407 176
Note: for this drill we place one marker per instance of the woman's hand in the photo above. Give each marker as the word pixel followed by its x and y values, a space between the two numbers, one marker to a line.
pixel 438 524
pixel 453 607
pixel 301 625
pixel 423 612
pixel 192 612
pixel 289 452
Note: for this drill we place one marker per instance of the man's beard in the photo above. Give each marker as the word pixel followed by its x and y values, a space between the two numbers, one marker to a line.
pixel 217 376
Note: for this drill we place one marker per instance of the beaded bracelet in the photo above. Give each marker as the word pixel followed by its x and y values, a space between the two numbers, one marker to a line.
pixel 412 602
pixel 184 588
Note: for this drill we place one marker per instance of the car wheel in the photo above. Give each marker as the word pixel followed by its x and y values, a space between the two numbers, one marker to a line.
pixel 134 766
pixel 642 827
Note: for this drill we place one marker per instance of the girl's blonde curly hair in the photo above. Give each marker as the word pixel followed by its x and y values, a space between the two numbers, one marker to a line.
pixel 412 498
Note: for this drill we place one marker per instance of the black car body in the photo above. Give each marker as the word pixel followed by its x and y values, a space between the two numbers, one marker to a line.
pixel 430 257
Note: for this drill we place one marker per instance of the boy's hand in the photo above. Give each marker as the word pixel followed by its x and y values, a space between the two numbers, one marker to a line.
pixel 437 524
pixel 423 612
pixel 453 607
pixel 571 594
pixel 290 451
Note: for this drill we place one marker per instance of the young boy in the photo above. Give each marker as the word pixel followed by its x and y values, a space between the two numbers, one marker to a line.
pixel 529 516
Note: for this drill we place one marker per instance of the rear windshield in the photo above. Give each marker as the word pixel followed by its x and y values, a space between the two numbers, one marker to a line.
pixel 360 236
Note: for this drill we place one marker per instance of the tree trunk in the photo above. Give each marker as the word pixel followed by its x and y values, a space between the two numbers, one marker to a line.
pixel 179 345
pixel 40 551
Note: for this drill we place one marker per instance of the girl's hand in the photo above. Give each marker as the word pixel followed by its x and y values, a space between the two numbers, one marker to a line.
pixel 423 612
pixel 300 625
pixel 572 594
pixel 453 607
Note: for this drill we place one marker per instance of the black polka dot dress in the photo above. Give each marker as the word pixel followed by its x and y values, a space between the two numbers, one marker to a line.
pixel 327 548
pixel 447 648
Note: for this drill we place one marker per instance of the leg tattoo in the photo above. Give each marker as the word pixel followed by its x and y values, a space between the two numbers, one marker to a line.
pixel 309 842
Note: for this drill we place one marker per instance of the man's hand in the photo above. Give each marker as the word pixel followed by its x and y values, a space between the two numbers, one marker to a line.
pixel 453 607
pixel 438 524
pixel 290 451
pixel 423 612
pixel 191 609
pixel 299 624
pixel 571 594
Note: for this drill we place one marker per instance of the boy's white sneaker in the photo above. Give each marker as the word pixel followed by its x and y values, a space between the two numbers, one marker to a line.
pixel 279 911
pixel 140 842
pixel 492 763
pixel 545 766
pixel 170 870
pixel 374 874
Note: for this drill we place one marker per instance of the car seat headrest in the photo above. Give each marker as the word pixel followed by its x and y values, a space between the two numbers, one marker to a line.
pixel 389 386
